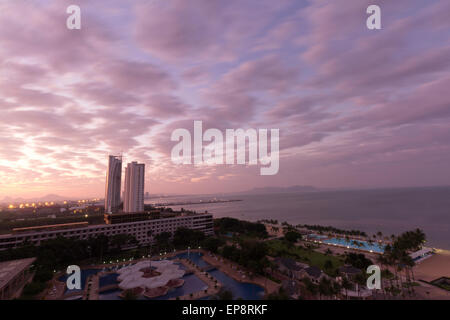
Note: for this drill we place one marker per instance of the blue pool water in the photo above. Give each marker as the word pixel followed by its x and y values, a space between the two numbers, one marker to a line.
pixel 317 236
pixel 192 284
pixel 85 273
pixel 364 244
pixel 108 279
pixel 195 257
pixel 246 291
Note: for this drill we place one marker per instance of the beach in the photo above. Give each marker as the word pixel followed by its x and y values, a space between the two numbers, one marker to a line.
pixel 431 269
pixel 434 267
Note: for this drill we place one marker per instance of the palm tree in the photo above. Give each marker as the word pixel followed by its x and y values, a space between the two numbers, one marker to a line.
pixel 407 262
pixel 360 279
pixel 380 235
pixel 335 288
pixel 309 286
pixel 399 269
pixel 322 289
pixel 347 285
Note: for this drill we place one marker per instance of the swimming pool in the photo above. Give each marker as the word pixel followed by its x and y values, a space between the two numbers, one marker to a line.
pixel 195 257
pixel 317 236
pixel 356 244
pixel 246 291
pixel 85 273
pixel 191 284
pixel 108 279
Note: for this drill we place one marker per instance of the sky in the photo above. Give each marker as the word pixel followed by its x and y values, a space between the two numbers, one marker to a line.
pixel 355 107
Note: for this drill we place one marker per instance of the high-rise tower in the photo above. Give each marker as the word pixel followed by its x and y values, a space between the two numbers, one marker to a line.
pixel 134 187
pixel 113 184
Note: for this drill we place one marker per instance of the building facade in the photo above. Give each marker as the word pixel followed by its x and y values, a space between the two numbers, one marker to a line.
pixel 14 275
pixel 113 184
pixel 144 231
pixel 133 195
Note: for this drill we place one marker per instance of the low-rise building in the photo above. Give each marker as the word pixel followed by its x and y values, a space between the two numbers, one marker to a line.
pixel 314 273
pixel 13 277
pixel 349 271
pixel 292 288
pixel 290 267
pixel 143 230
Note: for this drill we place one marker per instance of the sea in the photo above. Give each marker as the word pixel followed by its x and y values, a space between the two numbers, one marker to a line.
pixel 390 211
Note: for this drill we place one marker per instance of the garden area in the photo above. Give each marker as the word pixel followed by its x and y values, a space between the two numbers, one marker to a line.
pixel 328 263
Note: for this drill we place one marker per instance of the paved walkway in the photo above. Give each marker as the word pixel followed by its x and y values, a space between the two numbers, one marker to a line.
pixel 94 288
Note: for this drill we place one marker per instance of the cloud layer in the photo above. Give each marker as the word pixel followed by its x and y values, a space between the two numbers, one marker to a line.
pixel 355 107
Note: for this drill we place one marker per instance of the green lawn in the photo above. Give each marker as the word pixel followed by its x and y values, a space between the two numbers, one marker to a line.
pixel 278 248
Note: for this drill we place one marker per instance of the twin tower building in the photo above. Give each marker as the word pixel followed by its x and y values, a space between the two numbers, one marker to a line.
pixel 133 194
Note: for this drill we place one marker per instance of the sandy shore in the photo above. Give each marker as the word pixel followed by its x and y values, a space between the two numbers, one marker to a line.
pixel 431 269
pixel 434 267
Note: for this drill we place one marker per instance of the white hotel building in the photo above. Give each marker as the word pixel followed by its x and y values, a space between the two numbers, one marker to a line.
pixel 113 184
pixel 143 230
pixel 133 195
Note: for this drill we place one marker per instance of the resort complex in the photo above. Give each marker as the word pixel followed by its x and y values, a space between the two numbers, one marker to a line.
pixel 143 228
pixel 141 251
pixel 239 259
